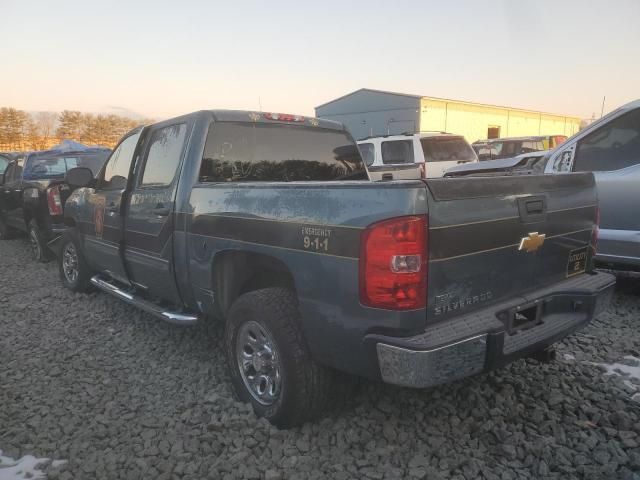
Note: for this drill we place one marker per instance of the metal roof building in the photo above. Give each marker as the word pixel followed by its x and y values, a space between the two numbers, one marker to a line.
pixel 368 112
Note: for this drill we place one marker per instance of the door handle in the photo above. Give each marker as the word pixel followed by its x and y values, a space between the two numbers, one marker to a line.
pixel 160 210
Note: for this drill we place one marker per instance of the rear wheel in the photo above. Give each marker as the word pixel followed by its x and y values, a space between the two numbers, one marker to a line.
pixel 39 247
pixel 269 360
pixel 74 271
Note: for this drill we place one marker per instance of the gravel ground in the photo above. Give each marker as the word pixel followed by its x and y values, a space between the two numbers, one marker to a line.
pixel 118 394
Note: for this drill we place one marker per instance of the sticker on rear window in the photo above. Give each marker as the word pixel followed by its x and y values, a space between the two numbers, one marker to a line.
pixel 577 261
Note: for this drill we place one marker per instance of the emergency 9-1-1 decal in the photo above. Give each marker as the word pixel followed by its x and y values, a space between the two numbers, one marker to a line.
pixel 316 238
pixel 335 240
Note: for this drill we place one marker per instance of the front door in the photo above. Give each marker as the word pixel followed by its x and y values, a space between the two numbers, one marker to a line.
pixel 149 224
pixel 102 233
pixel 12 202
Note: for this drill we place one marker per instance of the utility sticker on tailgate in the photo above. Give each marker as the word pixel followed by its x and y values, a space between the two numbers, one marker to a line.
pixel 577 261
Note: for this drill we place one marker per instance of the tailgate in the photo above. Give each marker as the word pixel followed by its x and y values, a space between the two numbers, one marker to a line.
pixel 408 171
pixel 485 237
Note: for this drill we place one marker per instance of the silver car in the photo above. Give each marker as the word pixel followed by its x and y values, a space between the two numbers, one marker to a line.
pixel 610 148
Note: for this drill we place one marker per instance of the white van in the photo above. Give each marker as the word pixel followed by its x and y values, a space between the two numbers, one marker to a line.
pixel 414 155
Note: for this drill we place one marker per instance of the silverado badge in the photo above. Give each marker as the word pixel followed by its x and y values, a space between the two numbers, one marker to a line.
pixel 532 242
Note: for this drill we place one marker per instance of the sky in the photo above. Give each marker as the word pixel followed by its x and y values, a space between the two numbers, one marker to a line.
pixel 158 59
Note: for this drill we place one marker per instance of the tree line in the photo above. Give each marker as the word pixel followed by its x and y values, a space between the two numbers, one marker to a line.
pixel 24 131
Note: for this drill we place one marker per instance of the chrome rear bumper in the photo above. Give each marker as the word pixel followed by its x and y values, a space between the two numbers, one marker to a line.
pixel 478 342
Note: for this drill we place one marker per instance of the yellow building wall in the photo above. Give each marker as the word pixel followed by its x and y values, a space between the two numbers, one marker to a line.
pixel 473 120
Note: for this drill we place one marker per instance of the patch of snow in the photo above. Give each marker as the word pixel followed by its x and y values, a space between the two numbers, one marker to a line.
pixel 630 370
pixel 24 468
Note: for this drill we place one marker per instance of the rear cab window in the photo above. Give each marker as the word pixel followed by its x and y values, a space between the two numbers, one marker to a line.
pixel 447 149
pixel 55 165
pixel 263 152
pixel 397 152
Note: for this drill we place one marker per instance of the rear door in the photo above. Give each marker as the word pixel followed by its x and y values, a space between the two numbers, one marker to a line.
pixel 491 241
pixel 444 152
pixel 148 237
pixel 102 232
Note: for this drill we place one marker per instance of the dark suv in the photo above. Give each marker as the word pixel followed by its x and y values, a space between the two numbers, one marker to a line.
pixel 33 191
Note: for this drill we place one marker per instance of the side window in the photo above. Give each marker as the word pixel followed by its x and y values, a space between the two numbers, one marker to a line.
pixel 116 170
pixel 165 151
pixel 529 146
pixel 8 173
pixel 367 151
pixel 611 147
pixel 399 151
pixel 14 171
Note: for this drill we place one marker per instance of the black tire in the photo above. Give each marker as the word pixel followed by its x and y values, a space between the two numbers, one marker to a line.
pixel 81 281
pixel 41 252
pixel 307 389
pixel 6 232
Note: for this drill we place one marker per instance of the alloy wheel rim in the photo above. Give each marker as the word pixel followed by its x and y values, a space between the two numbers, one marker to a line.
pixel 70 262
pixel 258 362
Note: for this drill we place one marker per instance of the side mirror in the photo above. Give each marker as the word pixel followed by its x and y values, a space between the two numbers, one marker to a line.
pixel 79 177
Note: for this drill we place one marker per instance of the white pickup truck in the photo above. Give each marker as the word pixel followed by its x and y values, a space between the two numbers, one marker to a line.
pixel 414 155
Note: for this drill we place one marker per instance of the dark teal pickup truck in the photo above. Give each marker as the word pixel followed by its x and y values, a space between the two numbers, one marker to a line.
pixel 269 223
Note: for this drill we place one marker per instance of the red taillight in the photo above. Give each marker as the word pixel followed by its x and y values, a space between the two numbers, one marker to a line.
pixel 53 201
pixel 595 231
pixel 283 117
pixel 393 264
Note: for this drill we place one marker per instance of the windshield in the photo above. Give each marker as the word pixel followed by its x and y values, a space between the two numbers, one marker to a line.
pixel 444 149
pixel 246 152
pixel 41 166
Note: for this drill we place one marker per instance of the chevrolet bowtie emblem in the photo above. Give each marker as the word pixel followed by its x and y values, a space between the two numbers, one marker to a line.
pixel 531 242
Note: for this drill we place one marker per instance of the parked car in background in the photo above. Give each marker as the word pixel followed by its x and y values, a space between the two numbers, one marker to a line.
pixel 33 192
pixel 610 148
pixel 414 155
pixel 511 146
pixel 268 222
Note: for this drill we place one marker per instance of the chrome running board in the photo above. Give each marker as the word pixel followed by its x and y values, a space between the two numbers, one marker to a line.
pixel 149 307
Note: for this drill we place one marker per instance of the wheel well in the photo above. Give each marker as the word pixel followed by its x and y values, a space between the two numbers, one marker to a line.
pixel 236 273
